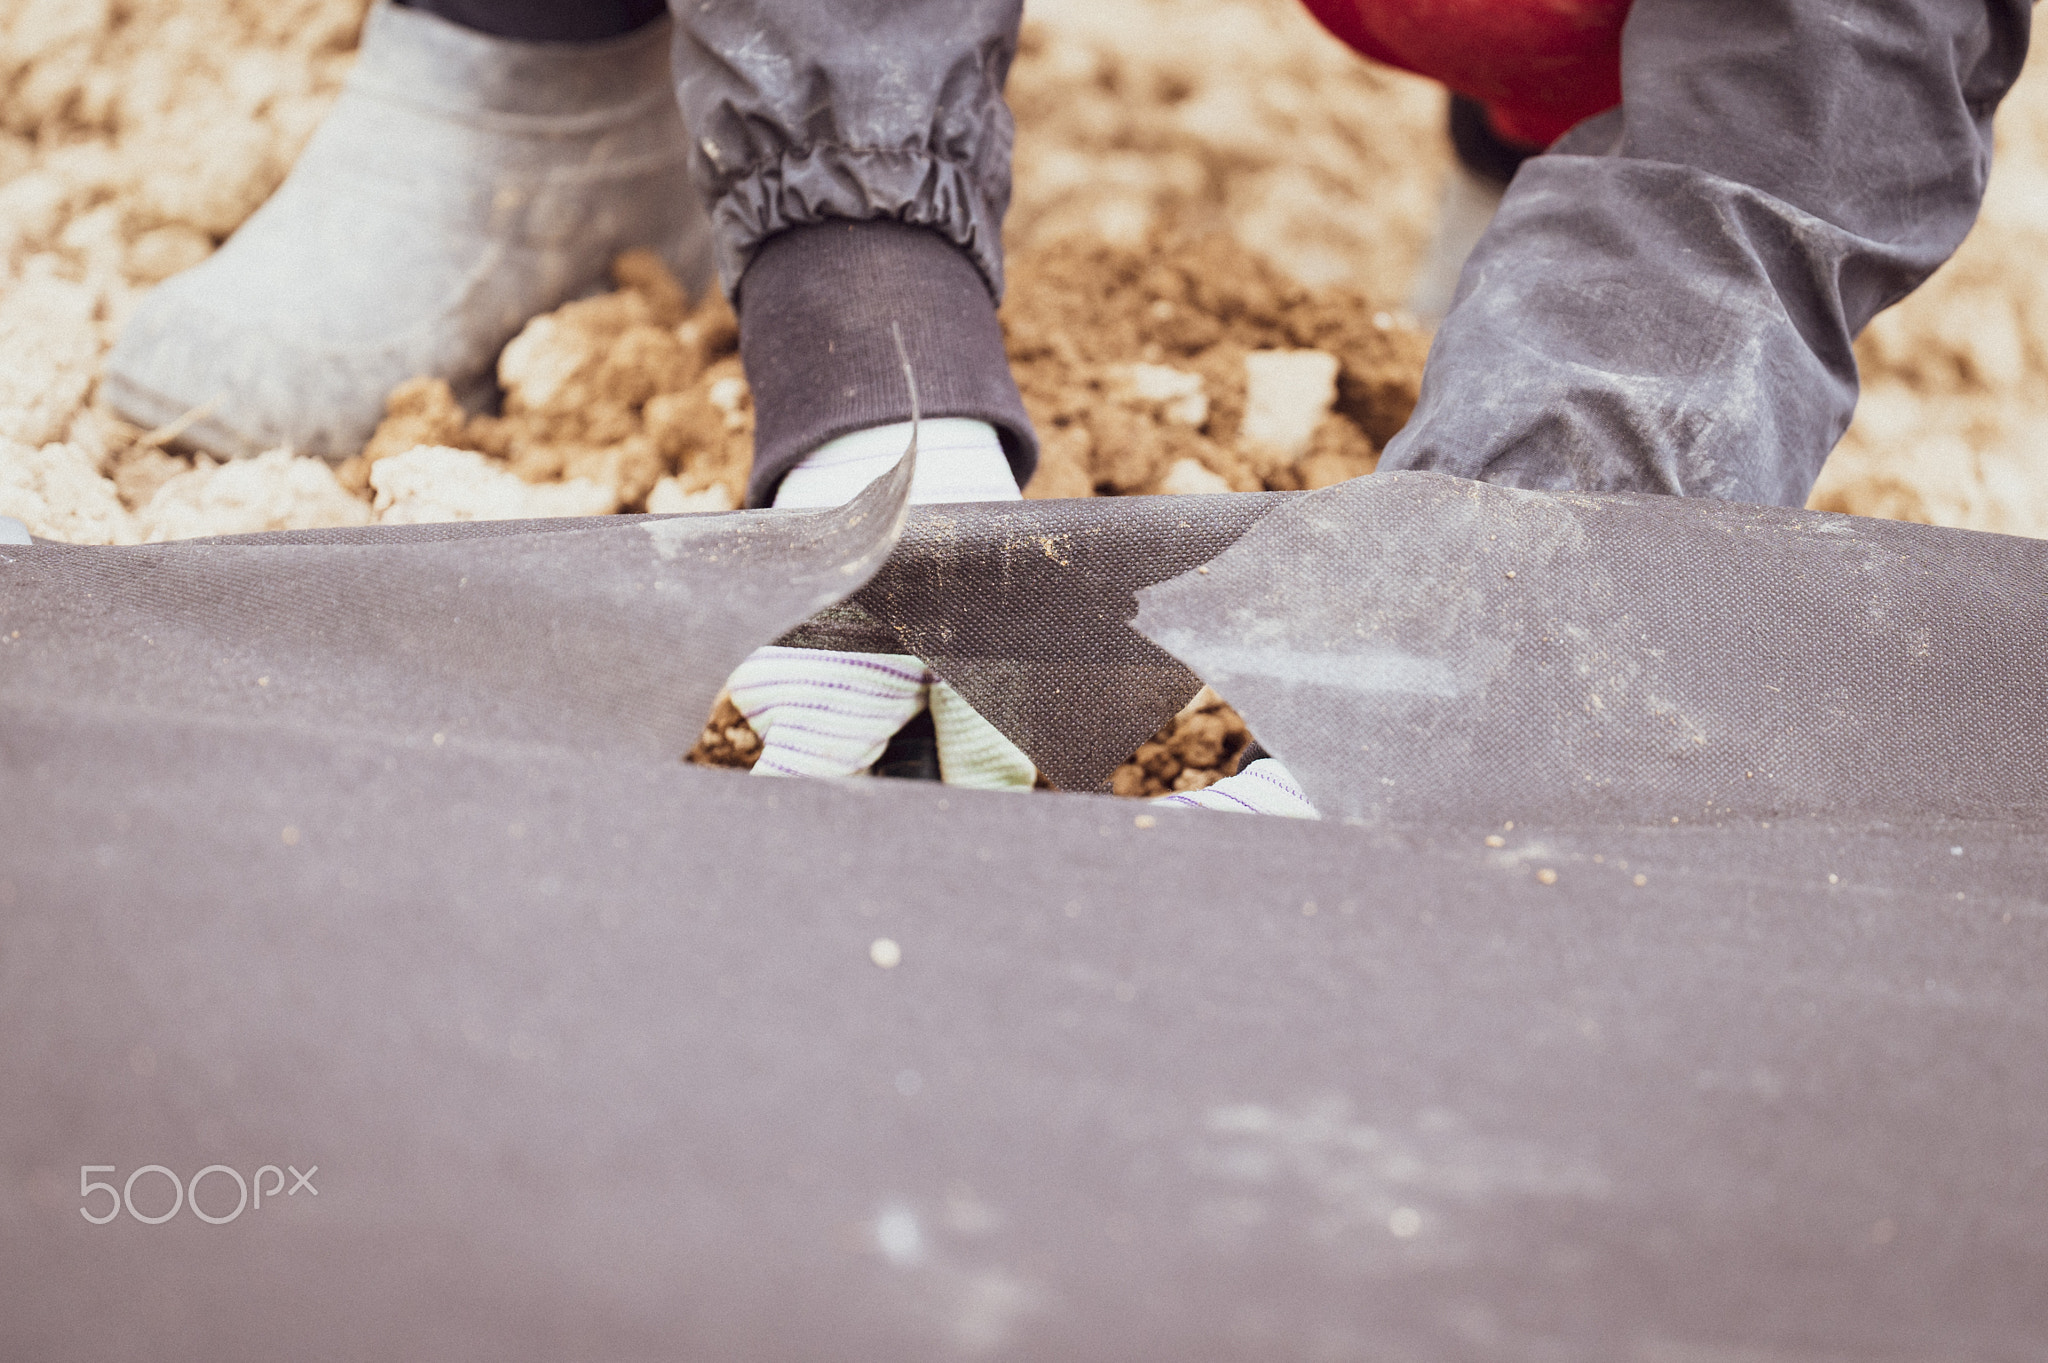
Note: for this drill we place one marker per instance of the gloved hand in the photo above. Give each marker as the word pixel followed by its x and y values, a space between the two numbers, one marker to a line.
pixel 821 713
pixel 1265 787
pixel 825 714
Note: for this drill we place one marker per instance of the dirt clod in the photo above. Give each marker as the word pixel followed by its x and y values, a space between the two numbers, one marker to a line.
pixel 1136 362
pixel 728 740
pixel 1141 375
pixel 1193 750
pixel 624 391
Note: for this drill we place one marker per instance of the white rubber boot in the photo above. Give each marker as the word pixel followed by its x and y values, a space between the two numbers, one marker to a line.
pixel 461 185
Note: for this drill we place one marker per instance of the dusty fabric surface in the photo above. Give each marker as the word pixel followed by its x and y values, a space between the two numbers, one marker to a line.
pixel 1023 607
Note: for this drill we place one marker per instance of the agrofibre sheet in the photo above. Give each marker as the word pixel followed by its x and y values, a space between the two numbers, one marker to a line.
pixel 1661 983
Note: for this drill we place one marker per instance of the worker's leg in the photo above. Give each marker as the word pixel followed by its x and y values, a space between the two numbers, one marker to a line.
pixel 462 183
pixel 1668 299
pixel 855 158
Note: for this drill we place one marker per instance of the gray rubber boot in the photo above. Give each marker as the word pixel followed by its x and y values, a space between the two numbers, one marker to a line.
pixel 460 185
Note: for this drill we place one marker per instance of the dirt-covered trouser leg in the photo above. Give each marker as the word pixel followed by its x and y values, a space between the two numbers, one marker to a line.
pixel 855 157
pixel 546 21
pixel 1666 300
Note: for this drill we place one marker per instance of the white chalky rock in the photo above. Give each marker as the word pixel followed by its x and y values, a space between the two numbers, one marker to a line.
pixel 669 499
pixel 1188 476
pixel 537 364
pixel 435 483
pixel 1176 393
pixel 729 395
pixel 49 351
pixel 276 490
pixel 1287 394
pixel 58 493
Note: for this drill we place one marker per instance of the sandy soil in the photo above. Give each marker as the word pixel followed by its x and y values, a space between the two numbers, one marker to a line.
pixel 133 139
pixel 1217 210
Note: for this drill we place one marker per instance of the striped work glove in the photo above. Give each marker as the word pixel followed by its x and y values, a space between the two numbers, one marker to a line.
pixel 821 713
pixel 1265 787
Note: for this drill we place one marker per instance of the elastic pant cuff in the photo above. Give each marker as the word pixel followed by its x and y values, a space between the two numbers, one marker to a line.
pixel 816 306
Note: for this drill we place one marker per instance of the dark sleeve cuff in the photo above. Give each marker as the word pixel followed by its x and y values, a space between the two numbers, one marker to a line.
pixel 815 308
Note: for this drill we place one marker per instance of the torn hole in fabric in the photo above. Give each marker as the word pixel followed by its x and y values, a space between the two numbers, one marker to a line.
pixel 1024 607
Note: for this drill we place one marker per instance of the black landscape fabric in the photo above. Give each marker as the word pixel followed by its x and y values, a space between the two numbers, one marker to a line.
pixel 1729 1048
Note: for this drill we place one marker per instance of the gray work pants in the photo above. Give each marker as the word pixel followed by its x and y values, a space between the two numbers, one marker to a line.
pixel 1665 303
